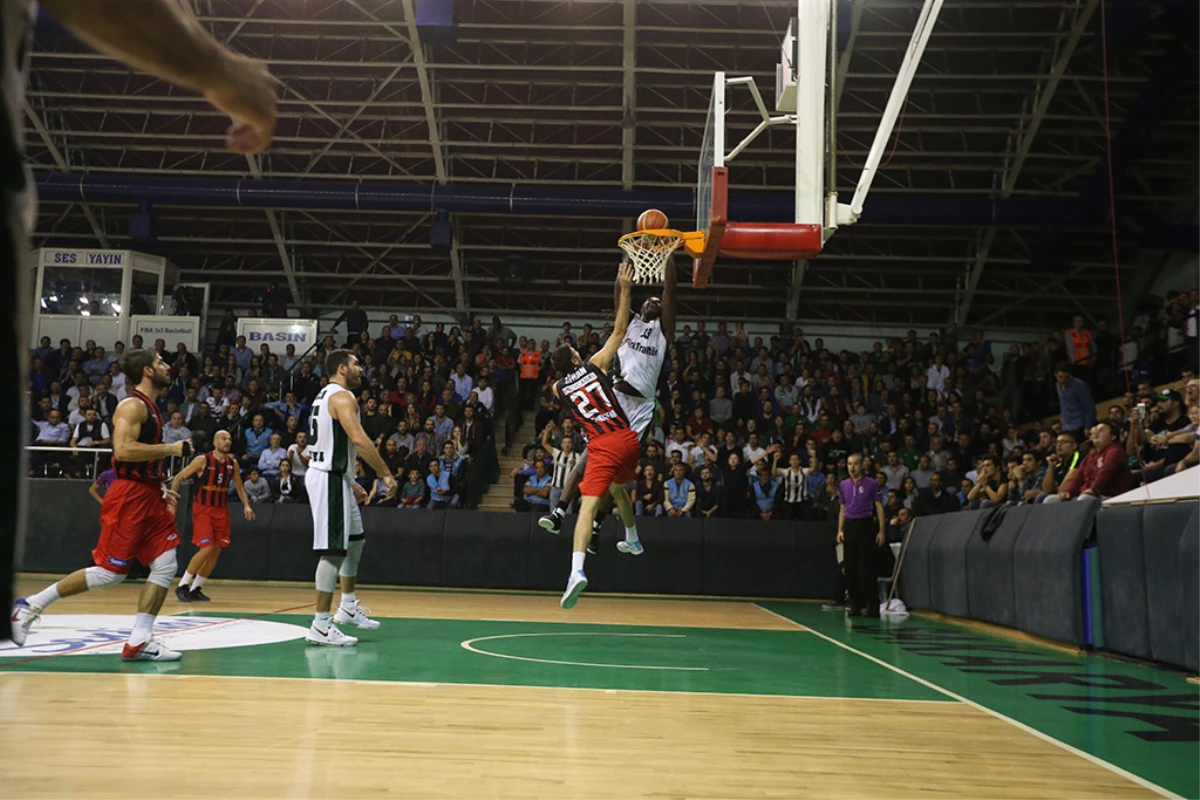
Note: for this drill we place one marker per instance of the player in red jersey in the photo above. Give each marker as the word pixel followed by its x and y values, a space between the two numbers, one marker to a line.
pixel 612 445
pixel 210 513
pixel 137 517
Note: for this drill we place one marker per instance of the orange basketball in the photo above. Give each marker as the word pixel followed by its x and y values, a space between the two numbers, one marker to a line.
pixel 652 220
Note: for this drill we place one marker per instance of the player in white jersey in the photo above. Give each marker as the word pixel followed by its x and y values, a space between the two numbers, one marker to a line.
pixel 635 378
pixel 335 439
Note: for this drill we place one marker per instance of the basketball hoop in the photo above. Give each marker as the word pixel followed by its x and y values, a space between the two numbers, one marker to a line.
pixel 649 251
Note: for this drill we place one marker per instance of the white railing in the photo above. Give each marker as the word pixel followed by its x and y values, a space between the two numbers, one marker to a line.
pixel 63 459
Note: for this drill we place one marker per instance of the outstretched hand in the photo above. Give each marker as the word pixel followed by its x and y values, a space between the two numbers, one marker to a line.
pixel 625 274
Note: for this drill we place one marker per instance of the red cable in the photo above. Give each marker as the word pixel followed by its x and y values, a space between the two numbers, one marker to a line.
pixel 895 143
pixel 1112 192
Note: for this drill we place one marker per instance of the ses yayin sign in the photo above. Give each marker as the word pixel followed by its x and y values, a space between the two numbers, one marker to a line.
pixel 278 333
pixel 86 258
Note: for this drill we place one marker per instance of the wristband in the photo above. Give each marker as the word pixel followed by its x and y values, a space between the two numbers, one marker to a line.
pixel 187 449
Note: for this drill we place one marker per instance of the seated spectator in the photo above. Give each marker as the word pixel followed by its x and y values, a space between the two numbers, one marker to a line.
pixel 894 471
pixel 394 459
pixel 257 438
pixel 1104 471
pixel 936 499
pixel 535 493
pixel 412 493
pixel 679 494
pixel 1060 466
pixel 1026 479
pixel 269 459
pixel 897 525
pixel 990 488
pixel 440 493
pixel 708 492
pixel 923 473
pixel 648 495
pixel 257 488
pixel 419 459
pixel 289 488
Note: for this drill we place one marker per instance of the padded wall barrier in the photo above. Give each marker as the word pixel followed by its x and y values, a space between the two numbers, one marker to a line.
pixel 1048 573
pixel 480 549
pixel 948 562
pixel 1123 580
pixel 1162 529
pixel 990 569
pixel 1189 566
pixel 915 587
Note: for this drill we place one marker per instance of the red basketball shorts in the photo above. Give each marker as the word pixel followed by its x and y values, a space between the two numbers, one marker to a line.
pixel 210 525
pixel 135 522
pixel 611 458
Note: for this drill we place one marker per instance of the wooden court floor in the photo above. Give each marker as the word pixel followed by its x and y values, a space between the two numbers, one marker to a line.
pixel 474 694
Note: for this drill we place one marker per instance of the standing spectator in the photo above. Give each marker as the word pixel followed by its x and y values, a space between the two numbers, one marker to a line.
pixel 356 323
pixel 764 488
pixel 564 459
pixel 1104 471
pixel 1079 346
pixel 103 481
pixel 536 491
pixel 861 532
pixel 794 481
pixel 707 494
pixel 1075 402
pixel 440 494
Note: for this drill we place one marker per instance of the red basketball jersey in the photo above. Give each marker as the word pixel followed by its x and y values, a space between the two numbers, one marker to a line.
pixel 213 487
pixel 150 433
pixel 588 394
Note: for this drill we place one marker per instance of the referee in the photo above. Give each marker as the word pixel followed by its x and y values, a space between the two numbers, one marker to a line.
pixel 861 531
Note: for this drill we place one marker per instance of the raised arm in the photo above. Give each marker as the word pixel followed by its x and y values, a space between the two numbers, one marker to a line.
pixel 603 359
pixel 668 305
pixel 163 38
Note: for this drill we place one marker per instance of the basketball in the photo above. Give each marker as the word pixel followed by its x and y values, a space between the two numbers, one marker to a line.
pixel 652 220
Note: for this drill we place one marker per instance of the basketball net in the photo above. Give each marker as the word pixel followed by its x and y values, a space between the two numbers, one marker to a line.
pixel 649 252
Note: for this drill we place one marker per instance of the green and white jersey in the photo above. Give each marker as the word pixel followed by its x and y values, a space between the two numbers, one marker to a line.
pixel 329 446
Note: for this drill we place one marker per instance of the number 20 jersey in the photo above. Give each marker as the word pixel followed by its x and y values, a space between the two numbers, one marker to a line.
pixel 588 394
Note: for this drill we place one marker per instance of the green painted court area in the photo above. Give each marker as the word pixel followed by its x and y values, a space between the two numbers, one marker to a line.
pixel 1141 719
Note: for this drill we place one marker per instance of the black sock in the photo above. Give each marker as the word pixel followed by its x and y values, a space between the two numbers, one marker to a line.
pixel 561 508
pixel 600 515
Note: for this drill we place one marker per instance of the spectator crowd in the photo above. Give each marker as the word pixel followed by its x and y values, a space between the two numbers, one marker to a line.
pixel 749 427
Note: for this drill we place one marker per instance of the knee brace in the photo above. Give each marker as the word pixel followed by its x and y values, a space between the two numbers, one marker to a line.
pixel 162 569
pixel 327 573
pixel 354 550
pixel 98 577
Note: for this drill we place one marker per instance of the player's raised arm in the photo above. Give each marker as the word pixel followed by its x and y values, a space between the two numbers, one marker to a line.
pixel 163 38
pixel 127 424
pixel 604 358
pixel 344 409
pixel 668 304
pixel 187 473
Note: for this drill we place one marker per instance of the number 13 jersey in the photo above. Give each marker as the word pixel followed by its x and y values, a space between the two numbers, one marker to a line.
pixel 328 445
pixel 588 394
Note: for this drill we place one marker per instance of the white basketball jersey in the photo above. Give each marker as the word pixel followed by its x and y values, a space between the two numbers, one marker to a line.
pixel 328 445
pixel 641 355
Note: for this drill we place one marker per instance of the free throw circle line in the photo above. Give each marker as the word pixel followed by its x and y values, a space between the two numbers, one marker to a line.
pixel 469 645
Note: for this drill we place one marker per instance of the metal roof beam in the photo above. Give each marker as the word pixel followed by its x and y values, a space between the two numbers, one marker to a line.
pixel 285 258
pixel 57 155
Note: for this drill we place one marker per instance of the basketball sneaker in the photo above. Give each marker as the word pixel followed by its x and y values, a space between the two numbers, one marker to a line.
pixel 183 594
pixel 329 638
pixel 633 548
pixel 576 584
pixel 22 619
pixel 551 522
pixel 150 650
pixel 198 596
pixel 357 616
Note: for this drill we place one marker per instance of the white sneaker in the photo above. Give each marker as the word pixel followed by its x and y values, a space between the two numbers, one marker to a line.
pixel 358 617
pixel 329 638
pixel 576 584
pixel 632 548
pixel 151 650
pixel 22 619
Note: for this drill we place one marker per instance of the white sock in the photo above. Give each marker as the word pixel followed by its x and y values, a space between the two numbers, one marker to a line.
pixel 321 621
pixel 143 625
pixel 198 581
pixel 186 579
pixel 577 561
pixel 631 535
pixel 349 601
pixel 45 597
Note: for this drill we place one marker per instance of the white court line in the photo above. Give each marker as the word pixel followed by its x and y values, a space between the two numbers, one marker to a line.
pixel 1145 784
pixel 468 645
pixel 434 684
